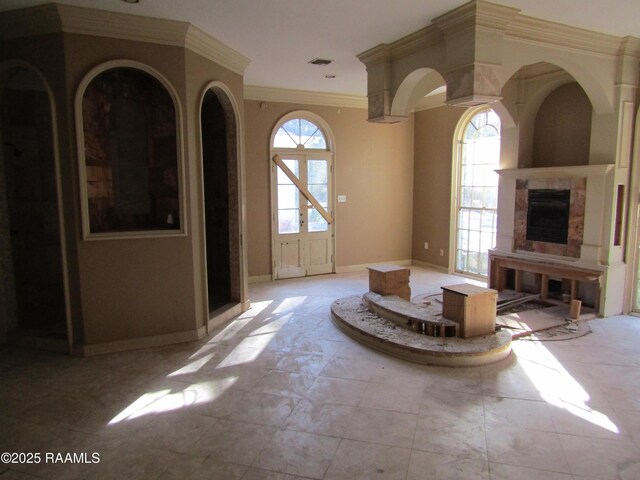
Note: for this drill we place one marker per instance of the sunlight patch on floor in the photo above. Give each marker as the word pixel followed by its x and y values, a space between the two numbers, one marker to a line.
pixel 557 386
pixel 165 401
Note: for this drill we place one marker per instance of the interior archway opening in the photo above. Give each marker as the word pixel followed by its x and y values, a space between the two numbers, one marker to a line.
pixel 30 229
pixel 221 207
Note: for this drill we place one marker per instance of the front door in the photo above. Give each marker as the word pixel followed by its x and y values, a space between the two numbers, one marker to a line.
pixel 302 237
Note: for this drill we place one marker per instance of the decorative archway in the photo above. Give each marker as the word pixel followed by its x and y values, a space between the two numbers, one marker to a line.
pixel 222 212
pixel 35 274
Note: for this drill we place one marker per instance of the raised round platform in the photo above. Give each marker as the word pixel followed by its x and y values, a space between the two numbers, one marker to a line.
pixel 351 315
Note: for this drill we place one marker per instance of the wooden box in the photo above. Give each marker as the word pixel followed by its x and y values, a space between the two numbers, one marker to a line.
pixel 390 280
pixel 473 307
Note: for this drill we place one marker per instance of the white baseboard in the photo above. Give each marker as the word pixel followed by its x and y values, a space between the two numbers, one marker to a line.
pixel 430 266
pixel 260 278
pixel 224 314
pixel 363 267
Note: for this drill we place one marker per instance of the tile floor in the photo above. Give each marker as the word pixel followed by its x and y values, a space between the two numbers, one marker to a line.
pixel 280 393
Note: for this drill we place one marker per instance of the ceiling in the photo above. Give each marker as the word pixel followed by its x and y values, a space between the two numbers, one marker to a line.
pixel 281 36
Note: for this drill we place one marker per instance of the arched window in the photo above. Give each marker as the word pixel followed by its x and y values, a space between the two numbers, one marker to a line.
pixel 302 234
pixel 299 133
pixel 477 192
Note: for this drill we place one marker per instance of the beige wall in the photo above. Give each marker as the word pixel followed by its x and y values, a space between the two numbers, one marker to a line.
pixel 124 289
pixel 374 169
pixel 434 130
pixel 562 132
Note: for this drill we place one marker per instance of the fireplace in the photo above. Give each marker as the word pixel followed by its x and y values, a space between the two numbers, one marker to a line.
pixel 580 261
pixel 548 215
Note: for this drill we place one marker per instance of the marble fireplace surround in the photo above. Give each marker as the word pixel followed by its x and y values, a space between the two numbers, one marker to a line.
pixel 577 186
pixel 586 245
pixel 585 257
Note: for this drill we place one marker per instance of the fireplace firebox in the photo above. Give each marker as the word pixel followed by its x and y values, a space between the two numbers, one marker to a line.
pixel 548 215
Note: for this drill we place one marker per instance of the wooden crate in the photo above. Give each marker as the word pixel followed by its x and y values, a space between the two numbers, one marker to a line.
pixel 390 280
pixel 473 307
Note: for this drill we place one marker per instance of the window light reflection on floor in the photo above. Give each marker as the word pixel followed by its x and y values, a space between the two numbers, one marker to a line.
pixel 165 401
pixel 557 386
pixel 192 367
pixel 246 351
pixel 232 329
pixel 288 304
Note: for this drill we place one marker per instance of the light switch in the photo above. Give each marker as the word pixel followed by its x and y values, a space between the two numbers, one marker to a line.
pixel 342 198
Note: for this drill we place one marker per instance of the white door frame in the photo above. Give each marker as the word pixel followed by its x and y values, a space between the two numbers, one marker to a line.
pixel 308 153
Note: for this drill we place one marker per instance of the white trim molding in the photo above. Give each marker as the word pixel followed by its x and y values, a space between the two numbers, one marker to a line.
pixel 54 18
pixel 304 97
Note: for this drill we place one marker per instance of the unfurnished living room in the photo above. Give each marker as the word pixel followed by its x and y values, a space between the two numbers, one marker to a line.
pixel 348 239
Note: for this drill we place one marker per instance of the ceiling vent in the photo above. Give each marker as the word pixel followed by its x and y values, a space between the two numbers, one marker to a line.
pixel 320 62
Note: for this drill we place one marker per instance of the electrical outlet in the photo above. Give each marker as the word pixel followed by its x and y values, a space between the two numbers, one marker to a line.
pixel 441 252
pixel 342 198
pixel 426 245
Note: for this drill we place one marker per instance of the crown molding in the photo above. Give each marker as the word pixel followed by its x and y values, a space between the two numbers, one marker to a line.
pixel 420 40
pixel 204 44
pixel 53 18
pixel 539 31
pixel 378 54
pixel 478 13
pixel 486 15
pixel 283 95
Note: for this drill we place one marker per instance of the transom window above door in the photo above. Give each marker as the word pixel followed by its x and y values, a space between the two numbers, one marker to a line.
pixel 299 133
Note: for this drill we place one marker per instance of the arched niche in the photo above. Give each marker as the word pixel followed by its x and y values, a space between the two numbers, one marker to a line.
pixel 222 199
pixel 601 100
pixel 129 153
pixel 562 128
pixel 525 93
pixel 34 274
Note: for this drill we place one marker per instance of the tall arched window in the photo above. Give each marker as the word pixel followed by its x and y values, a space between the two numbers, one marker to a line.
pixel 477 192
pixel 302 226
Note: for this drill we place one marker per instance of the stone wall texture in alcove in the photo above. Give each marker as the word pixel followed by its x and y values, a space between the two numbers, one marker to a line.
pixel 131 159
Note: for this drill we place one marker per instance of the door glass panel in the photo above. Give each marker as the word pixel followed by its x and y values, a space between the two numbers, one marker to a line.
pixel 317 172
pixel 317 179
pixel 288 221
pixel 293 166
pixel 288 199
pixel 316 222
pixel 320 194
pixel 288 196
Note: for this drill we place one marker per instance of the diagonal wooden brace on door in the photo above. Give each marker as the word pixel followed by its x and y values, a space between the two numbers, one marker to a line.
pixel 303 189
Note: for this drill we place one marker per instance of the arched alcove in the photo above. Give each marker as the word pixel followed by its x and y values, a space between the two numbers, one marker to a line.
pixel 33 270
pixel 562 129
pixel 129 154
pixel 221 186
pixel 565 104
pixel 581 73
